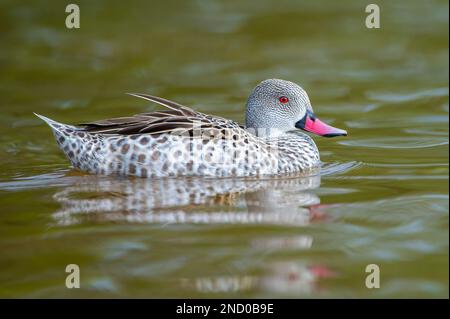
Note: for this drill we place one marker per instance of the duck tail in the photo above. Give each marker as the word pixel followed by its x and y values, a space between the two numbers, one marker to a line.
pixel 63 133
pixel 56 126
pixel 72 140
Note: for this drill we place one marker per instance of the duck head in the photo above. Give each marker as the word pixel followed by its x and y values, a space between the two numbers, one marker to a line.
pixel 277 106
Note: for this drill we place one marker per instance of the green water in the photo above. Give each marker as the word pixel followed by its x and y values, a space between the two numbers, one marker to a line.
pixel 382 197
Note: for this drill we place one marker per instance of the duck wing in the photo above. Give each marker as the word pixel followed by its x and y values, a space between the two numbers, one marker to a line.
pixel 178 118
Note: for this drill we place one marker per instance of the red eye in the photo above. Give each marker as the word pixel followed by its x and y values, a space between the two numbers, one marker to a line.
pixel 284 99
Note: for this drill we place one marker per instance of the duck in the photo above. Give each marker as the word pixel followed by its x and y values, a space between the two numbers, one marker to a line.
pixel 180 141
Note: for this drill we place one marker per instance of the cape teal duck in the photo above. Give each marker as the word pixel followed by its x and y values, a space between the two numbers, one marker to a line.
pixel 183 142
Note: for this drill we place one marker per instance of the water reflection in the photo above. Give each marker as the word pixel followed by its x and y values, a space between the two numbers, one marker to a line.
pixel 230 201
pixel 287 278
pixel 276 201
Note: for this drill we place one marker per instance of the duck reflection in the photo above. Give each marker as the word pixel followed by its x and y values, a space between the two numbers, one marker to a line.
pixel 287 201
pixel 287 278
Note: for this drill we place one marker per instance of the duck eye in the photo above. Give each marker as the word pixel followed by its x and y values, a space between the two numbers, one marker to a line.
pixel 283 99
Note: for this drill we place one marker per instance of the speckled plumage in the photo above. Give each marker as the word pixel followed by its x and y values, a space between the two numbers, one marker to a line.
pixel 183 142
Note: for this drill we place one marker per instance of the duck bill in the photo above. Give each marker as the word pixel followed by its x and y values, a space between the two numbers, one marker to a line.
pixel 312 124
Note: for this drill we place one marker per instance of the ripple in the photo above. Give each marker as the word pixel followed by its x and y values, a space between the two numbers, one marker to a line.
pixel 397 142
pixel 394 177
pixel 407 97
pixel 338 168
pixel 71 103
pixel 103 284
pixel 52 179
pixel 399 122
pixel 426 132
pixel 415 165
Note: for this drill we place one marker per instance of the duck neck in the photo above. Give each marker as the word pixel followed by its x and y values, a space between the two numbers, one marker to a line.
pixel 264 132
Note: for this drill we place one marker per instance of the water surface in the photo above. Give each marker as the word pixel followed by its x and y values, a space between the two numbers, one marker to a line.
pixel 381 198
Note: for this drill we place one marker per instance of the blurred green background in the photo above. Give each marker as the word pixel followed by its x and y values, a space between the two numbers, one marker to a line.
pixel 383 196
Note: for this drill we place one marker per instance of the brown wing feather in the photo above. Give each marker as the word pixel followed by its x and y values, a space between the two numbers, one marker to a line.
pixel 178 117
pixel 174 106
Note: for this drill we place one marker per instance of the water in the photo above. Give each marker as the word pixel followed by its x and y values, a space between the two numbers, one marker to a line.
pixel 382 197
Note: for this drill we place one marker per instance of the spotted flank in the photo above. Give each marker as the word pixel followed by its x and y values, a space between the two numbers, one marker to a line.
pixel 183 142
